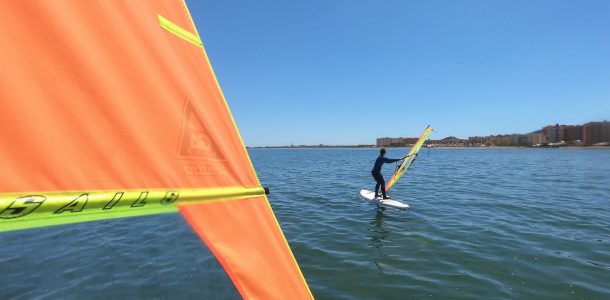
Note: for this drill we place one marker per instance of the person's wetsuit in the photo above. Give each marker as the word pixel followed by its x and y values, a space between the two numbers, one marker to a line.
pixel 376 172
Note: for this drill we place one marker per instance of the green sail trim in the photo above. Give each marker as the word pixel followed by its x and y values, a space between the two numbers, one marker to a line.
pixel 39 209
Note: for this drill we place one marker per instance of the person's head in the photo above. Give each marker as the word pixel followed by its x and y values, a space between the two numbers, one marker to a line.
pixel 382 151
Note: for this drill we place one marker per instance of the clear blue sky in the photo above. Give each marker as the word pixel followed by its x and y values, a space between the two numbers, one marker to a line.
pixel 347 72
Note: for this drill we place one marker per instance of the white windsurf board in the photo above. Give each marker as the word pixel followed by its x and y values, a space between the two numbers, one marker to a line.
pixel 393 203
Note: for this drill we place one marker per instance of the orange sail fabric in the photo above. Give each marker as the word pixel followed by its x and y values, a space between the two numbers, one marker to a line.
pixel 252 262
pixel 100 95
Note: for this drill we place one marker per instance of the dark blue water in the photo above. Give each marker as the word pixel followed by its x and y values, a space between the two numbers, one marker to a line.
pixel 484 223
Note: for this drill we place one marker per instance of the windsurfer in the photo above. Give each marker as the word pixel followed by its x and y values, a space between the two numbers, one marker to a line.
pixel 376 172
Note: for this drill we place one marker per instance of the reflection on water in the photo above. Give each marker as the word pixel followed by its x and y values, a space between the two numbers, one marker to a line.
pixel 378 233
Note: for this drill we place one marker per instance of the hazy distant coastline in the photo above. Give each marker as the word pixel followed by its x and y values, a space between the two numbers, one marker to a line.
pixel 589 135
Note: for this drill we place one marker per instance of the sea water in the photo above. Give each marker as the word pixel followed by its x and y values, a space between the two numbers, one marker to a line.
pixel 484 223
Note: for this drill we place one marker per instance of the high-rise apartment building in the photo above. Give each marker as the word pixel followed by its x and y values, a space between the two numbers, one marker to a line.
pixel 596 132
pixel 572 134
pixel 554 132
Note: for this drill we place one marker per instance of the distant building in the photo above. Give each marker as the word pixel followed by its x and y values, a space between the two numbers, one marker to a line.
pixel 395 142
pixel 385 142
pixel 596 132
pixel 490 140
pixel 554 132
pixel 572 134
pixel 476 140
pixel 537 139
pixel 592 133
pixel 606 132
pixel 500 140
pixel 410 141
pixel 449 141
pixel 519 140
pixel 508 140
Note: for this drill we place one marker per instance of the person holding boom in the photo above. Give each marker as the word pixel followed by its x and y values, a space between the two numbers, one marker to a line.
pixel 376 172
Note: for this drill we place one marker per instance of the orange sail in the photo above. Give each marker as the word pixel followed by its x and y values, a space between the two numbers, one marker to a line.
pixel 111 109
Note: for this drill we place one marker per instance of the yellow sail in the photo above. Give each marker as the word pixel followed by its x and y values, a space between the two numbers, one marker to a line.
pixel 410 159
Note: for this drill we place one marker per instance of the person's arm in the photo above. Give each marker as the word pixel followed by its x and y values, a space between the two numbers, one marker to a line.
pixel 391 160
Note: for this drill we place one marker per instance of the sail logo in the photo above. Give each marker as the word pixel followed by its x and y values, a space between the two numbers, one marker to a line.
pixel 199 141
pixel 199 154
pixel 200 169
pixel 196 141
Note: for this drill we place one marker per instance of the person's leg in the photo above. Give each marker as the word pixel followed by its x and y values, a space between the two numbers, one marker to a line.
pixel 377 180
pixel 382 186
